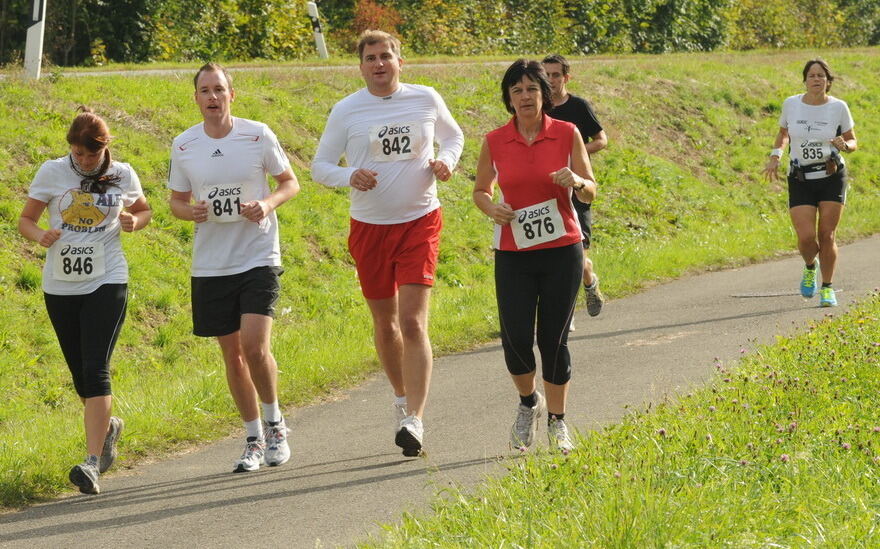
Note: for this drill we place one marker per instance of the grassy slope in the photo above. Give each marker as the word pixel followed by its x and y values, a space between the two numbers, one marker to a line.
pixel 679 190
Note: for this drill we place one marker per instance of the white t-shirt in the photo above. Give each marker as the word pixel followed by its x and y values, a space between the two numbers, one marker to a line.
pixel 228 172
pixel 89 252
pixel 393 136
pixel 811 128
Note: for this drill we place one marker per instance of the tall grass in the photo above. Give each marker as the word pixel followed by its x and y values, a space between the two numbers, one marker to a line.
pixel 679 190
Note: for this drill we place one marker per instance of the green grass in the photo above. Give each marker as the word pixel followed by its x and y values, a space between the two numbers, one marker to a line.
pixel 680 191
pixel 780 450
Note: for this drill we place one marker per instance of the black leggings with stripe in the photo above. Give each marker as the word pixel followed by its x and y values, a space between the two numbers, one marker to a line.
pixel 87 327
pixel 538 285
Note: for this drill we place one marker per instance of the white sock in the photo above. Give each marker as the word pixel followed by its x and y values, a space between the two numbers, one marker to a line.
pixel 254 428
pixel 271 412
pixel 400 401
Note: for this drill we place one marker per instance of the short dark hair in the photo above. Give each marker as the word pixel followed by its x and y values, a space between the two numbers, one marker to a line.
pixel 212 67
pixel 370 37
pixel 821 62
pixel 562 61
pixel 535 72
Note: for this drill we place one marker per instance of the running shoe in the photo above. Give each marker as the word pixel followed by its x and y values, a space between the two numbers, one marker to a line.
pixel 522 434
pixel 827 297
pixel 398 412
pixel 252 457
pixel 595 299
pixel 409 436
pixel 560 439
pixel 85 477
pixel 109 453
pixel 808 280
pixel 277 449
pixel 571 327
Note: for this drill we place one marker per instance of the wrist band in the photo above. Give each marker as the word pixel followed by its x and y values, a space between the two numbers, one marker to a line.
pixel 579 186
pixel 776 152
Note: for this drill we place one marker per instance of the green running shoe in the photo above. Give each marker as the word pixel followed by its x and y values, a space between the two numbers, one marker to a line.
pixel 808 280
pixel 827 297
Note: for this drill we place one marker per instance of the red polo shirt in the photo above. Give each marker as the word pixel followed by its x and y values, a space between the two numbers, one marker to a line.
pixel 523 176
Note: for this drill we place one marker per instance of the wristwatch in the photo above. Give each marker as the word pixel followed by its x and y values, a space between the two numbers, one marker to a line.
pixel 579 186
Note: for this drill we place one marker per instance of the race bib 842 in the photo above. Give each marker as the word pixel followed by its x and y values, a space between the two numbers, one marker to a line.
pixel 396 141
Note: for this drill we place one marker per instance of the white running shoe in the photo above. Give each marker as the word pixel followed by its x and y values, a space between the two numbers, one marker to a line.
pixel 277 449
pixel 522 434
pixel 252 457
pixel 399 414
pixel 85 477
pixel 560 439
pixel 409 436
pixel 109 453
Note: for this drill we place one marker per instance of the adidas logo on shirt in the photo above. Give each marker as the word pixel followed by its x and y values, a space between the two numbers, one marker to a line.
pixel 216 154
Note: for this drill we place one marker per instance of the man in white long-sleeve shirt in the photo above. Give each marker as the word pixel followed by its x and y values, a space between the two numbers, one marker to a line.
pixel 387 132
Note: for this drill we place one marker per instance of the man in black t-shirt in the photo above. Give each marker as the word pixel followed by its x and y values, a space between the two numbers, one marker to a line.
pixel 576 110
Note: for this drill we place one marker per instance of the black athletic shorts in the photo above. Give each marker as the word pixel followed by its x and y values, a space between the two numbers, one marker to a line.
pixel 219 301
pixel 813 191
pixel 585 217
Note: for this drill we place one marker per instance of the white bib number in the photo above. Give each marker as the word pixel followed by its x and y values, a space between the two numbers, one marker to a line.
pixel 537 224
pixel 813 152
pixel 224 202
pixel 398 141
pixel 78 262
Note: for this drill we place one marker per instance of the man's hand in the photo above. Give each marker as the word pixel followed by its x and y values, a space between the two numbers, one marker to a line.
pixel 363 180
pixel 440 169
pixel 200 211
pixel 255 210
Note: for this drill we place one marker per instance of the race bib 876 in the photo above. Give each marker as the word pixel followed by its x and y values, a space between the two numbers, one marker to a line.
pixel 397 141
pixel 537 224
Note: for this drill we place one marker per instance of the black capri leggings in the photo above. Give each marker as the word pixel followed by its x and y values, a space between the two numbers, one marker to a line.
pixel 543 284
pixel 87 327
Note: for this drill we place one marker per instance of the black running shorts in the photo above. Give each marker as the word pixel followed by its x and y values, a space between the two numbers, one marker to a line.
pixel 219 301
pixel 813 191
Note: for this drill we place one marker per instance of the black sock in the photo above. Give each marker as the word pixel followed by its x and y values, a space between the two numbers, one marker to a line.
pixel 551 417
pixel 812 267
pixel 529 401
pixel 826 284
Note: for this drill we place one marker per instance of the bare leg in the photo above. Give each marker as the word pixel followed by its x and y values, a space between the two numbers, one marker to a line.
pixel 803 218
pixel 389 340
pixel 97 421
pixel 557 396
pixel 238 377
pixel 255 336
pixel 418 360
pixel 829 217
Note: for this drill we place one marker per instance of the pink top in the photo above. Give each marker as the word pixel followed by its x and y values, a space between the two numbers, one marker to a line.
pixel 523 175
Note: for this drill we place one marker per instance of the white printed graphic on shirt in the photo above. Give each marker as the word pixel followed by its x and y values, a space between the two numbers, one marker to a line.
pixel 78 261
pixel 396 141
pixel 537 224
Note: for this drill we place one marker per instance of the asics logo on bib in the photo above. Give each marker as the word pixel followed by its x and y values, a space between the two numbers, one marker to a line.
pixel 215 192
pixel 76 250
pixel 393 130
pixel 532 214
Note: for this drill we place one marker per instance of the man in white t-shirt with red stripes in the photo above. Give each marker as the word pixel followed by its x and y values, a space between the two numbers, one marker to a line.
pixel 217 179
pixel 387 133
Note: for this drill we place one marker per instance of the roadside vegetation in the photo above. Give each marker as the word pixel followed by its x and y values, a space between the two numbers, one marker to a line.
pixel 781 450
pixel 680 190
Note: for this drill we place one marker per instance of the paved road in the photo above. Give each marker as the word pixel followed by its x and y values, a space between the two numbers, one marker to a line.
pixel 346 475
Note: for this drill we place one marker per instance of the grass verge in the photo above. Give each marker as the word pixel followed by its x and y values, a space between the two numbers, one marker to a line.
pixel 781 451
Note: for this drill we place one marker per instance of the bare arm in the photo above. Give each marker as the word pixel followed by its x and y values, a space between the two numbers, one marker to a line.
pixel 771 170
pixel 137 216
pixel 580 176
pixel 28 224
pixel 287 188
pixel 181 207
pixel 484 186
pixel 597 142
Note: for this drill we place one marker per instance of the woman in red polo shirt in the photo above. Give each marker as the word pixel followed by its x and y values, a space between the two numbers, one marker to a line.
pixel 540 165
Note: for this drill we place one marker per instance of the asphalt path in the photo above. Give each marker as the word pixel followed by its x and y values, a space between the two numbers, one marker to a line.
pixel 346 476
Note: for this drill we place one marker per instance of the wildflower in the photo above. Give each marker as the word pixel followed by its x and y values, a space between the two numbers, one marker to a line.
pixel 554 466
pixel 712 409
pixel 616 474
pixel 661 431
pixel 845 446
pixel 743 462
pixel 709 437
pixel 784 458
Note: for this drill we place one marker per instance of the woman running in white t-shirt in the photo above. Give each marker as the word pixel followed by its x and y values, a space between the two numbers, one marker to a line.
pixel 819 129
